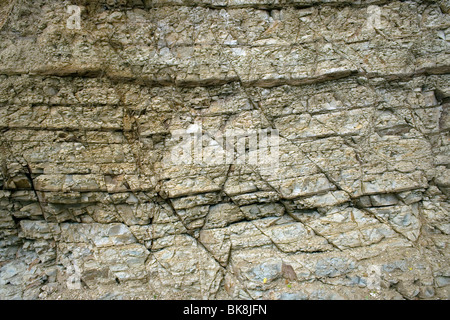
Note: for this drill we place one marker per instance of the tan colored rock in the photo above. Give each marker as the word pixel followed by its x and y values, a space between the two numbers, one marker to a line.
pixel 97 200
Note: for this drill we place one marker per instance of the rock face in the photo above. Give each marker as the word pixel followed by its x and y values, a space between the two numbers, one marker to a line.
pixel 94 204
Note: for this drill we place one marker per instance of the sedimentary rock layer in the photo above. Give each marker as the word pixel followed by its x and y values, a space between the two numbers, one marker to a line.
pixel 92 203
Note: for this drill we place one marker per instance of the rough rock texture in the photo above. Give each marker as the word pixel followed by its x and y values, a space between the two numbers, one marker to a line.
pixel 358 90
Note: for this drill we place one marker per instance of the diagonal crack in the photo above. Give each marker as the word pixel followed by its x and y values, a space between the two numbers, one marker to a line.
pixel 200 243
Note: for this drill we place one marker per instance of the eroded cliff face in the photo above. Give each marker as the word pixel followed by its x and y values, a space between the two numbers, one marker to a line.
pixel 92 203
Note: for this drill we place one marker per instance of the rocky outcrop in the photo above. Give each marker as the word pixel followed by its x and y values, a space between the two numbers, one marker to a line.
pixel 93 205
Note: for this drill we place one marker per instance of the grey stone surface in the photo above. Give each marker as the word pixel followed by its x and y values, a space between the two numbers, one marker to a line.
pixel 356 206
